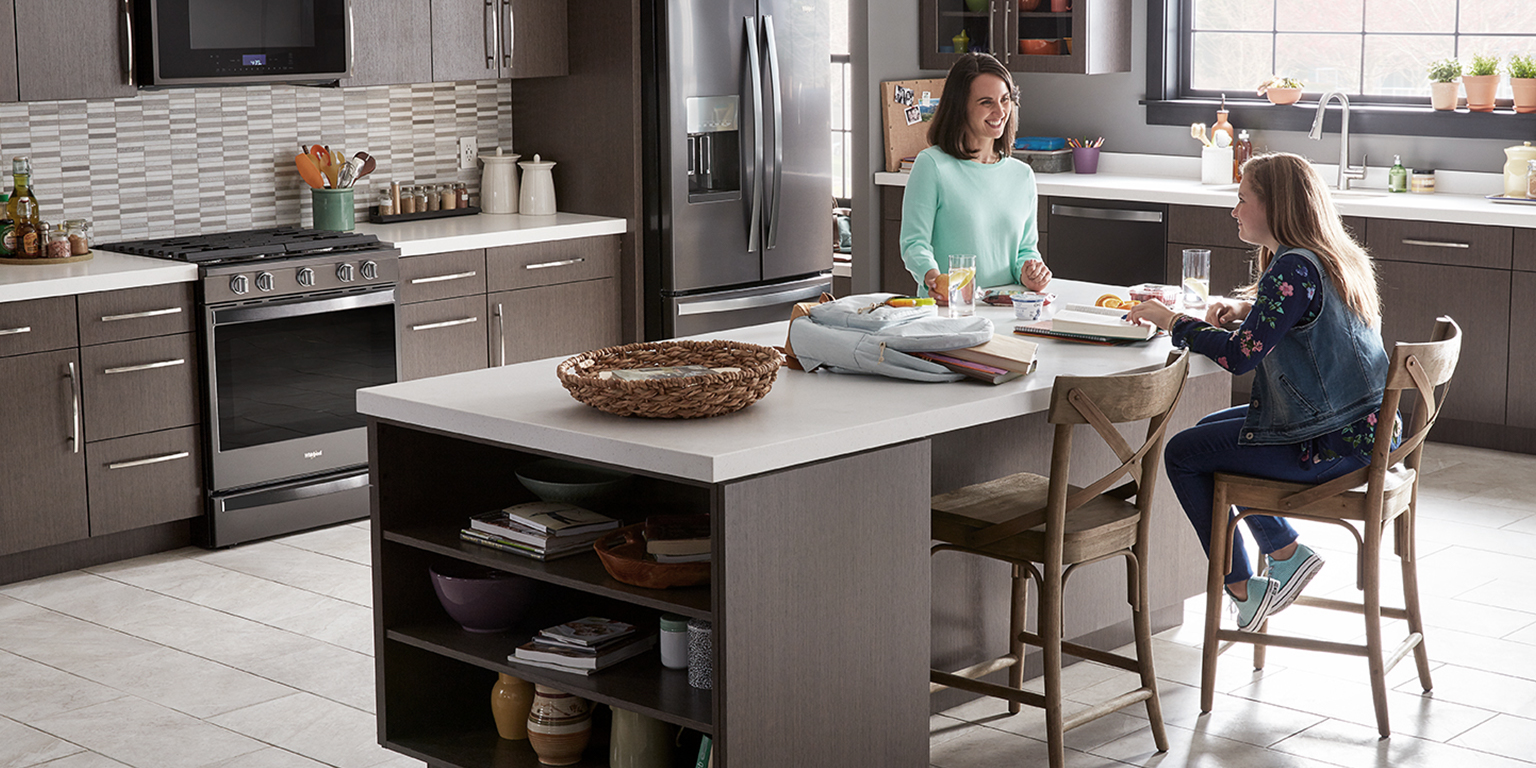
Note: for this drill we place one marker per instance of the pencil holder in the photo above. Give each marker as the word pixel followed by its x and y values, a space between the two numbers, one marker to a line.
pixel 1085 159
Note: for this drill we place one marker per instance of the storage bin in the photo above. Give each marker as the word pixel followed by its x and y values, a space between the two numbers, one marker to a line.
pixel 1054 161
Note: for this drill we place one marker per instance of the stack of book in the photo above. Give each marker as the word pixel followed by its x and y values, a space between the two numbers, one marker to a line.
pixel 1004 358
pixel 907 163
pixel 542 530
pixel 583 646
pixel 677 538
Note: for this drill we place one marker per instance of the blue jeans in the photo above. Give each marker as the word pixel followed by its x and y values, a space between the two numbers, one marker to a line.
pixel 1196 454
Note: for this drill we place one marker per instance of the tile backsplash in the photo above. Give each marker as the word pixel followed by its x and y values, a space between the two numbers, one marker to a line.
pixel 192 161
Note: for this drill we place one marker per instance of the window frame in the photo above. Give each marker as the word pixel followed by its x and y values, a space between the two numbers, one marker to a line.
pixel 1169 59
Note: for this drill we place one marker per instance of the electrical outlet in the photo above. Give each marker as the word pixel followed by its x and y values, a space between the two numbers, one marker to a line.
pixel 469 151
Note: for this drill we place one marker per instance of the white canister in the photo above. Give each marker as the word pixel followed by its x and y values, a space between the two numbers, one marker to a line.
pixel 538 195
pixel 498 183
pixel 1216 165
pixel 1028 306
pixel 674 641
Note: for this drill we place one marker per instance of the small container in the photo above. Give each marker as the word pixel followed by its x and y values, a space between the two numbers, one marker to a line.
pixel 79 233
pixel 407 199
pixel 419 194
pixel 434 200
pixel 674 641
pixel 57 246
pixel 1422 181
pixel 461 191
pixel 1167 294
pixel 386 202
pixel 446 197
pixel 701 653
pixel 1028 306
pixel 1530 180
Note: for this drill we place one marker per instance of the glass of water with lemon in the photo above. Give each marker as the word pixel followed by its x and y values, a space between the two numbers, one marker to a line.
pixel 962 285
pixel 1197 278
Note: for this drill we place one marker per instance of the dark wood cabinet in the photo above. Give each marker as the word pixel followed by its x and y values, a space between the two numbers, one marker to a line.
pixel 564 319
pixel 94 34
pixel 8 90
pixel 1520 408
pixel 145 479
pixel 442 337
pixel 488 39
pixel 140 385
pixel 42 467
pixel 135 313
pixel 1093 37
pixel 393 42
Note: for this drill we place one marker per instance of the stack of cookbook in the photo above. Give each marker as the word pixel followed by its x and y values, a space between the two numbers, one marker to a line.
pixel 583 646
pixel 542 530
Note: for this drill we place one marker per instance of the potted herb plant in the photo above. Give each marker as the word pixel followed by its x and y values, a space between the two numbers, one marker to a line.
pixel 1281 90
pixel 1481 81
pixel 1522 80
pixel 1442 83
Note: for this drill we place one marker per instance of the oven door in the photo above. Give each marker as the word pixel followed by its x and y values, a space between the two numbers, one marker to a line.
pixel 194 42
pixel 283 379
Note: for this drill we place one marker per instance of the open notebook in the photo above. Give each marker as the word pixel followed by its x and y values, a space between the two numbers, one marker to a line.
pixel 1089 323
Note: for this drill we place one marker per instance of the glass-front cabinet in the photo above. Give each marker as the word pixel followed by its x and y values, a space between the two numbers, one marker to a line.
pixel 1080 36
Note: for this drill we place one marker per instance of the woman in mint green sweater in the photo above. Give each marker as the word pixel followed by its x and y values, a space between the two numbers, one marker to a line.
pixel 967 193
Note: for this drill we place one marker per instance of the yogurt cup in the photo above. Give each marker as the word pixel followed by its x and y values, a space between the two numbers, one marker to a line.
pixel 1028 306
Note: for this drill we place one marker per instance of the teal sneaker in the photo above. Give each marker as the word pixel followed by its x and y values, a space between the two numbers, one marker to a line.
pixel 1259 605
pixel 1293 575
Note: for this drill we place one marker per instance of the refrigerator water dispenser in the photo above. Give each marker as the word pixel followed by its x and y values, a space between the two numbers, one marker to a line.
pixel 714 149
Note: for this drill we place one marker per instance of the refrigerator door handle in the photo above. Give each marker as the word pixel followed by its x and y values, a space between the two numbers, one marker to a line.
pixel 772 46
pixel 751 302
pixel 755 76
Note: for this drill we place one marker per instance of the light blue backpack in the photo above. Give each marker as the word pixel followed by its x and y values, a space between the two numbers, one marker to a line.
pixel 860 334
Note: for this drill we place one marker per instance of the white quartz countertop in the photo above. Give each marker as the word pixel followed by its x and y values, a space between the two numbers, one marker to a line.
pixel 806 417
pixel 106 271
pixel 1460 197
pixel 488 230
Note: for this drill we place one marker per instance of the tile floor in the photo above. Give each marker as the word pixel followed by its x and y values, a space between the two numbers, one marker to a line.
pixel 260 657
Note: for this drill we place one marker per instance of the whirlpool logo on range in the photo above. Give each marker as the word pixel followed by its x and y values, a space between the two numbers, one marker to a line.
pixel 313 454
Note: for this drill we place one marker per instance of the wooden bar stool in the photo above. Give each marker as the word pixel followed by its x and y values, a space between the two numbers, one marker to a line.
pixel 1362 502
pixel 1025 519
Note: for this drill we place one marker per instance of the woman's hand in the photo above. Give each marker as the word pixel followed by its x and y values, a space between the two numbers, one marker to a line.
pixel 1226 312
pixel 932 281
pixel 1152 312
pixel 1035 275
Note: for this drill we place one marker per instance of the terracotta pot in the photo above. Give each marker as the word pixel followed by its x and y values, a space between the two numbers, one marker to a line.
pixel 1442 96
pixel 1525 93
pixel 1480 90
pixel 559 726
pixel 1283 96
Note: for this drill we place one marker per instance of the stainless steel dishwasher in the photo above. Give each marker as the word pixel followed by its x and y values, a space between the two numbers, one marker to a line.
pixel 1107 241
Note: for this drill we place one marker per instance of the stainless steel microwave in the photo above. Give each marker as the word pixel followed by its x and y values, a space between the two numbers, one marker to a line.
pixel 220 42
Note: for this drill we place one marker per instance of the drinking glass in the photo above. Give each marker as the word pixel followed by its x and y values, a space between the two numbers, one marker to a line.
pixel 1197 278
pixel 962 285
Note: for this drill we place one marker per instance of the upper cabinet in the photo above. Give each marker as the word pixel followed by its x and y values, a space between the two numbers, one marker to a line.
pixel 8 51
pixel 1081 36
pixel 392 42
pixel 94 32
pixel 487 39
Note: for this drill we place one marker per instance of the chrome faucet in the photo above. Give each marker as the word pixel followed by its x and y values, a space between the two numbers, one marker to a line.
pixel 1346 171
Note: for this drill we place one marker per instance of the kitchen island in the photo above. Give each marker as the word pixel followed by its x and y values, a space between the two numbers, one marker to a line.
pixel 823 593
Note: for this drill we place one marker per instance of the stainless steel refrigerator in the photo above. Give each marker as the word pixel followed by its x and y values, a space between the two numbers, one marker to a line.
pixel 737 138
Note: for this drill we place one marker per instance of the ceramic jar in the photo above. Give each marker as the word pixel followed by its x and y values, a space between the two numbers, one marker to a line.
pixel 637 741
pixel 511 701
pixel 498 183
pixel 559 726
pixel 1515 167
pixel 538 194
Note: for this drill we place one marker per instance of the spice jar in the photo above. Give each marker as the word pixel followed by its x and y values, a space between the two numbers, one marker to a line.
pixel 419 193
pixel 448 200
pixel 1422 181
pixel 434 198
pixel 462 193
pixel 1530 179
pixel 78 231
pixel 58 244
pixel 407 199
pixel 386 202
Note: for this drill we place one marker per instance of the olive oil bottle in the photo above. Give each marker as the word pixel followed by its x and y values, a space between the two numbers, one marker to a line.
pixel 24 212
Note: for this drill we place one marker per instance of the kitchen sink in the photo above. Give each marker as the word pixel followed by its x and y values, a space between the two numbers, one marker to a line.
pixel 1357 193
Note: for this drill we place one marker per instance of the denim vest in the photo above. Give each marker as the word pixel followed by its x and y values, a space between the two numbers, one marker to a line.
pixel 1320 377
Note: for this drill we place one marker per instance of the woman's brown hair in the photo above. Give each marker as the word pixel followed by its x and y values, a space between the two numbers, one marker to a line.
pixel 948 128
pixel 1300 214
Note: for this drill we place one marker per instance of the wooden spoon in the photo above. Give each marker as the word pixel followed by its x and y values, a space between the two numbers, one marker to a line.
pixel 307 169
pixel 368 165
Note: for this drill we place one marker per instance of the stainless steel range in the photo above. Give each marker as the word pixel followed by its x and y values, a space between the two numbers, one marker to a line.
pixel 295 321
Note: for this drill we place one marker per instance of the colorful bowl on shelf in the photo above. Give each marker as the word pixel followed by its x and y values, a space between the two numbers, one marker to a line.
pixel 481 599
pixel 1040 47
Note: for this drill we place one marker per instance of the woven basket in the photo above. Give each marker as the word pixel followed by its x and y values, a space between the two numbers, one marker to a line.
pixel 690 397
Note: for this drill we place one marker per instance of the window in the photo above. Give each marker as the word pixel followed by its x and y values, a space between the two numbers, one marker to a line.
pixel 842 108
pixel 1376 51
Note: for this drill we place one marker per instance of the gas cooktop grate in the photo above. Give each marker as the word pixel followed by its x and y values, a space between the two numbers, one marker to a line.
pixel 250 245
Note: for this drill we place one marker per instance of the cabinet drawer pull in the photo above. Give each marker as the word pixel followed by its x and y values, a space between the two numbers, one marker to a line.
pixel 445 324
pixel 1436 243
pixel 146 366
pixel 561 263
pixel 441 278
pixel 150 460
pixel 74 393
pixel 138 315
pixel 14 331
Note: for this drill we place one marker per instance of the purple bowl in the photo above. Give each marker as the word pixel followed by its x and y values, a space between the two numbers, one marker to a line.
pixel 481 599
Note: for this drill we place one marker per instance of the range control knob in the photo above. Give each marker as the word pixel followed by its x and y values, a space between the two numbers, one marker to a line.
pixel 306 277
pixel 370 270
pixel 344 272
pixel 239 285
pixel 264 281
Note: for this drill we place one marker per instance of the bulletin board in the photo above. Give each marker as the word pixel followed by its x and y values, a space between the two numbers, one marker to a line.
pixel 907 107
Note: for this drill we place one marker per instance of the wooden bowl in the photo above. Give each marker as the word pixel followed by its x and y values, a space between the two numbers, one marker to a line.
pixel 623 556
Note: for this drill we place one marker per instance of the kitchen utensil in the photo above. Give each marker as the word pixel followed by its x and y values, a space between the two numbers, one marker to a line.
pixel 309 172
pixel 498 182
pixel 538 193
pixel 348 174
pixel 332 168
pixel 369 164
pixel 1197 132
pixel 334 209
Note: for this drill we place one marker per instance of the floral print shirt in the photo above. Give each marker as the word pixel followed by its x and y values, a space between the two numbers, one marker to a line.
pixel 1289 294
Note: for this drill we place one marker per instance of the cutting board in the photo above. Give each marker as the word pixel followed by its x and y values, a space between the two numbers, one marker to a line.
pixel 906 107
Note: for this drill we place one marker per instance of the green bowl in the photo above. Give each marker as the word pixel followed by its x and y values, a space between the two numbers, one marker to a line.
pixel 572 483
